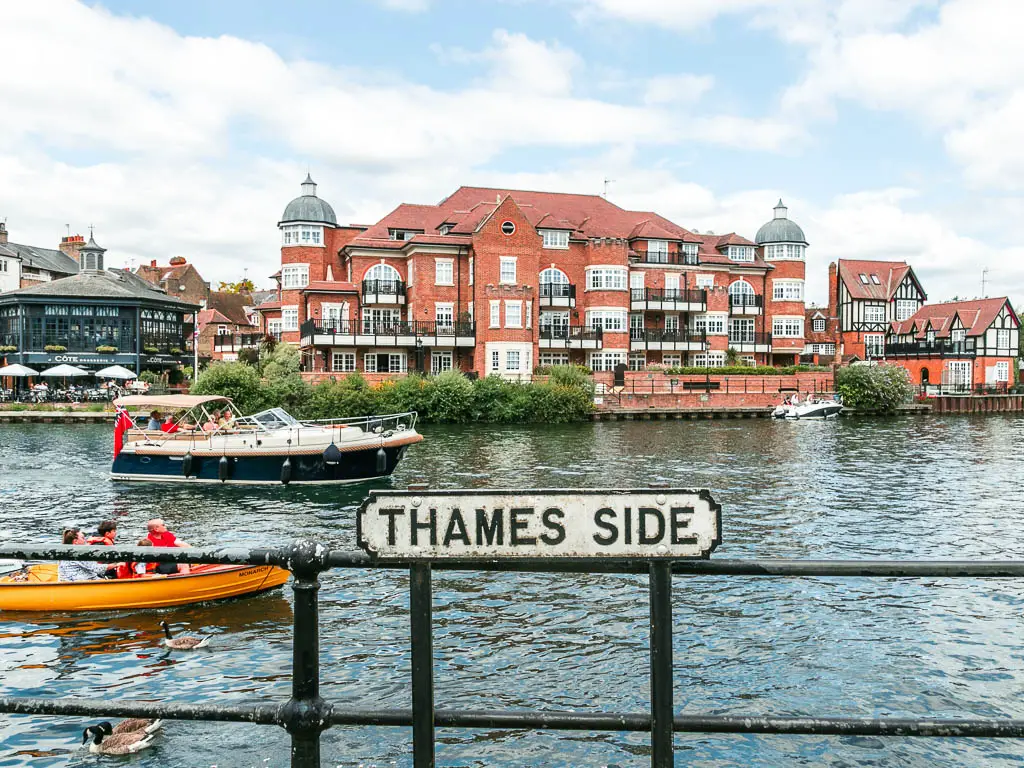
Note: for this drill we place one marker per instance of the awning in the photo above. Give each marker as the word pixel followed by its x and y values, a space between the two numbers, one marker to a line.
pixel 16 369
pixel 115 372
pixel 168 401
pixel 64 370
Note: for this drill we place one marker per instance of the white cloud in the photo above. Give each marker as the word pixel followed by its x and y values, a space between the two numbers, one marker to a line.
pixel 671 89
pixel 405 5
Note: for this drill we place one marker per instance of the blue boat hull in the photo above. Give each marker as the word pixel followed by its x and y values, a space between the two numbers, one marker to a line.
pixel 353 467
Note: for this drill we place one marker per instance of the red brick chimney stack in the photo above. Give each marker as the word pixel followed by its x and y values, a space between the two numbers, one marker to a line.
pixel 3 233
pixel 833 289
pixel 152 263
pixel 178 261
pixel 71 245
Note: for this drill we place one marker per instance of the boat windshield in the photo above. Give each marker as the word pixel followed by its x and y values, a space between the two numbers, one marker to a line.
pixel 272 418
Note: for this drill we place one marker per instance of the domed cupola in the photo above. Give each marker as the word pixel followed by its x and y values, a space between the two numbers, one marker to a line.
pixel 781 237
pixel 308 208
pixel 90 255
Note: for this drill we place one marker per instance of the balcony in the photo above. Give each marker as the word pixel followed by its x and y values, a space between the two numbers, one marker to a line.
pixel 676 259
pixel 341 333
pixel 383 292
pixel 751 342
pixel 965 348
pixel 235 342
pixel 742 304
pixel 556 295
pixel 668 299
pixel 660 339
pixel 570 337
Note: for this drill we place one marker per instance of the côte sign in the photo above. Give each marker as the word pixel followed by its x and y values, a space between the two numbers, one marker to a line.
pixel 489 524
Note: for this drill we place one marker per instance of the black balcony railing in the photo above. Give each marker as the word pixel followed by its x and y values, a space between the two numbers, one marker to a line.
pixel 683 295
pixel 221 341
pixel 557 291
pixel 386 328
pixel 748 338
pixel 571 333
pixel 661 257
pixel 938 348
pixel 384 287
pixel 675 335
pixel 742 300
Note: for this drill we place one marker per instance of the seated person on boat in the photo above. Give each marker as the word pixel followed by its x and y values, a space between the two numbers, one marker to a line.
pixel 79 570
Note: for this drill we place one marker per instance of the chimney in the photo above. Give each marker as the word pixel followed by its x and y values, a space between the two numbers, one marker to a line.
pixel 833 290
pixel 3 233
pixel 152 263
pixel 71 245
pixel 178 261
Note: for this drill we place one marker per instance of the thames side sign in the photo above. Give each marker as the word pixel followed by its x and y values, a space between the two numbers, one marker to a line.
pixel 488 524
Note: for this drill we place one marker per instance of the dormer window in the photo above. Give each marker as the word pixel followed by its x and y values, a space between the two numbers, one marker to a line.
pixel 864 279
pixel 930 336
pixel 445 229
pixel 874 279
pixel 740 252
pixel 403 234
pixel 555 238
pixel 818 325
pixel 689 251
pixel 657 251
pixel 958 335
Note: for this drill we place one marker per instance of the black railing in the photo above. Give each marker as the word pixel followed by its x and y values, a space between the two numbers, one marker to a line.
pixel 685 295
pixel 384 287
pixel 939 348
pixel 237 340
pixel 557 291
pixel 306 715
pixel 571 333
pixel 747 338
pixel 742 301
pixel 680 335
pixel 387 328
pixel 673 257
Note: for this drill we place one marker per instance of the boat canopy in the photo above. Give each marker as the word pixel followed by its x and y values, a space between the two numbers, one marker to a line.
pixel 169 401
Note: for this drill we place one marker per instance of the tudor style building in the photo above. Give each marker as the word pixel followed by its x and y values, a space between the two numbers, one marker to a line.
pixel 866 297
pixel 500 281
pixel 958 345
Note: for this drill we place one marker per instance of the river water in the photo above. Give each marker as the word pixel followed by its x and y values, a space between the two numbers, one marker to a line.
pixel 919 487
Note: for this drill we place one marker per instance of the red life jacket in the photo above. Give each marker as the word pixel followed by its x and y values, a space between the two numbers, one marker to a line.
pixel 102 540
pixel 126 571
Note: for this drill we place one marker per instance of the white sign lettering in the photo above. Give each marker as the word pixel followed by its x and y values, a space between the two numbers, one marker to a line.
pixel 646 523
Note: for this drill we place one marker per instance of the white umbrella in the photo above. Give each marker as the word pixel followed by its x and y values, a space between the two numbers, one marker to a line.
pixel 17 370
pixel 115 372
pixel 64 370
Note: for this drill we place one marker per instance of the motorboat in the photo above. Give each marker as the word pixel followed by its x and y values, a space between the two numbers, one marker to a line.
pixel 809 409
pixel 267 447
pixel 35 587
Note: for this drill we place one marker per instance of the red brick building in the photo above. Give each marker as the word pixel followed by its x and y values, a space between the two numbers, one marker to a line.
pixel 224 328
pixel 959 345
pixel 501 281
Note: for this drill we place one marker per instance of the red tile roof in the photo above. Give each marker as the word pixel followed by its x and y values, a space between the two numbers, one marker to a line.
pixel 230 305
pixel 976 316
pixel 207 316
pixel 268 305
pixel 329 286
pixel 889 275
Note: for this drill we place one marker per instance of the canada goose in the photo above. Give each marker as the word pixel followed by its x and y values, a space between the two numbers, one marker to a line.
pixel 106 742
pixel 183 643
pixel 149 725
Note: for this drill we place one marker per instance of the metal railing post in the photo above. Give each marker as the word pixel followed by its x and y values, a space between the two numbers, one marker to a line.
pixel 421 628
pixel 305 715
pixel 661 664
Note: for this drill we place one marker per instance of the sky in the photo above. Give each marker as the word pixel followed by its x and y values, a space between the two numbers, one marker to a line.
pixel 891 128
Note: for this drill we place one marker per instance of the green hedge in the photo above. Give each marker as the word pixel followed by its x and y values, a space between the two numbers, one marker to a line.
pixel 746 370
pixel 874 387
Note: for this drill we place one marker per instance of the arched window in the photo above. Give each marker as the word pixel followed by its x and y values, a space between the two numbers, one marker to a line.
pixel 741 288
pixel 553 276
pixel 382 272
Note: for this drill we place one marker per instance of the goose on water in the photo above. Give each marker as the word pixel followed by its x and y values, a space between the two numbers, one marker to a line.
pixel 106 742
pixel 183 642
pixel 132 724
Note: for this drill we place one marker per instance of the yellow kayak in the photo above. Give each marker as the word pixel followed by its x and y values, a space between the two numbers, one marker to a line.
pixel 39 590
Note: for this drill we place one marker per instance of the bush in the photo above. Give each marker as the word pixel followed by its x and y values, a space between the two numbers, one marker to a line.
pixel 106 349
pixel 284 385
pixel 249 356
pixel 238 381
pixel 572 376
pixel 4 348
pixel 874 388
pixel 351 396
pixel 451 398
pixel 150 350
pixel 150 377
pixel 55 348
pixel 559 404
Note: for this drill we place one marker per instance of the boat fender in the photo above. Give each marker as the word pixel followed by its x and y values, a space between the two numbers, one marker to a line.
pixel 332 454
pixel 186 464
pixel 286 471
pixel 382 460
pixel 224 468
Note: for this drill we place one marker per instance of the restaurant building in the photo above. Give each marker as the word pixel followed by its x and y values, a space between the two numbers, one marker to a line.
pixel 500 281
pixel 95 318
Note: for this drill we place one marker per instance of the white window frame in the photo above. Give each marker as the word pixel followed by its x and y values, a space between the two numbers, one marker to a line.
pixel 555 238
pixel 471 269
pixel 711 359
pixel 1002 371
pixel 343 361
pixel 671 359
pixel 495 316
pixel 553 358
pixel 441 360
pixel 513 314
pixel 787 290
pixel 1002 338
pixel 877 313
pixel 294 276
pixel 444 271
pixel 610 319
pixel 784 327
pixel 495 360
pixel 309 235
pixel 444 314
pixel 705 281
pixel 958 335
pixel 690 252
pixel 818 325
pixel 606 359
pixel 287 313
pixel 607 277
pixel 274 325
pixel 874 344
pixel 740 253
pixel 507 270
pixel 370 361
pixel 657 251
pixel 509 367
pixel 711 323
pixel 637 361
pixel 905 309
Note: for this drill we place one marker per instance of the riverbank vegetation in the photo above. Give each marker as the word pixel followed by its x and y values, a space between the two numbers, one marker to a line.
pixel 565 396
pixel 874 387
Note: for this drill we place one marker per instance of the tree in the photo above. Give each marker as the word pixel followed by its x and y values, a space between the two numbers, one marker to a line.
pixel 242 286
pixel 874 387
pixel 238 381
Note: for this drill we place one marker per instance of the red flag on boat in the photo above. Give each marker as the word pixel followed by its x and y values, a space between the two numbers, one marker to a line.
pixel 122 423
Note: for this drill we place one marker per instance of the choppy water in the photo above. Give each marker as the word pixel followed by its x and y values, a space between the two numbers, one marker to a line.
pixel 906 488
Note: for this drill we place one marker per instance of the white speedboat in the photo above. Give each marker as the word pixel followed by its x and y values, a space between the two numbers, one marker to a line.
pixel 812 409
pixel 268 447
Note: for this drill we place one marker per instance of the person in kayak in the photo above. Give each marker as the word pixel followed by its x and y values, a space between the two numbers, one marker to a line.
pixel 161 537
